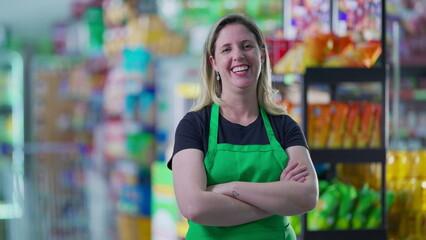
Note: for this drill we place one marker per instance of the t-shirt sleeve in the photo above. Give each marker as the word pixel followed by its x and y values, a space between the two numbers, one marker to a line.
pixel 293 135
pixel 188 134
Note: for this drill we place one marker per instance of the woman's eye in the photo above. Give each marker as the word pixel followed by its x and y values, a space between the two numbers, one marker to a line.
pixel 226 50
pixel 248 46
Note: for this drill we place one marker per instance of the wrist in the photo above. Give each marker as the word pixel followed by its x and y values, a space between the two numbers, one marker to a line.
pixel 234 190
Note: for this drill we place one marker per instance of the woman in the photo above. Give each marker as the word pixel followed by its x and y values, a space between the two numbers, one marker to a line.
pixel 240 163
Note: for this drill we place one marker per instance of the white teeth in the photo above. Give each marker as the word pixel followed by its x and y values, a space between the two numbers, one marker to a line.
pixel 239 69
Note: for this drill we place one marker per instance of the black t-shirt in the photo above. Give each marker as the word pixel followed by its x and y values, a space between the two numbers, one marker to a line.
pixel 193 132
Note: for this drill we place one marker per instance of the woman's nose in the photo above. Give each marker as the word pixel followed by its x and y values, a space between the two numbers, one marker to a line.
pixel 238 55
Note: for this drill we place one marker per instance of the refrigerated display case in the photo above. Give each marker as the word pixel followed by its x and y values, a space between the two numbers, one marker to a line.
pixel 11 140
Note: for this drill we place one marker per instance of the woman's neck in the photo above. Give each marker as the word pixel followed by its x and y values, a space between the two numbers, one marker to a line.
pixel 240 110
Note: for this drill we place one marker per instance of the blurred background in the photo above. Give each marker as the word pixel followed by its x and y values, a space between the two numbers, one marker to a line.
pixel 92 90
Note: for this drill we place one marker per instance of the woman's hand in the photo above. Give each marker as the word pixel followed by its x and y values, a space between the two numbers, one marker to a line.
pixel 294 172
pixel 295 192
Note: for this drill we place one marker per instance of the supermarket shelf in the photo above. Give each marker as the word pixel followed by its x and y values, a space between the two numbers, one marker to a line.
pixel 339 75
pixel 348 155
pixel 376 234
pixel 5 110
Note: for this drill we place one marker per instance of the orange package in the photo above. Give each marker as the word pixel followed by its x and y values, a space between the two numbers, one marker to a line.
pixel 339 116
pixel 368 53
pixel 352 126
pixel 366 124
pixel 341 45
pixel 376 137
pixel 322 115
pixel 316 48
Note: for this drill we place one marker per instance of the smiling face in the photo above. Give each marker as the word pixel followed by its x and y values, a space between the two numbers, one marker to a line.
pixel 237 58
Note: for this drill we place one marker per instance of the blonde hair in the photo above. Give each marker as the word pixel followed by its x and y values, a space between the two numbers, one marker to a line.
pixel 211 88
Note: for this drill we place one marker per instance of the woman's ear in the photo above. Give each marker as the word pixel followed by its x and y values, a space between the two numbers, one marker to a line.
pixel 263 55
pixel 213 63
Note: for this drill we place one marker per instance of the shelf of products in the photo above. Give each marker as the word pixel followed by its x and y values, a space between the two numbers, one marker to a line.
pixel 408 125
pixel 329 145
pixel 11 135
pixel 411 18
pixel 64 104
pixel 406 176
pixel 329 33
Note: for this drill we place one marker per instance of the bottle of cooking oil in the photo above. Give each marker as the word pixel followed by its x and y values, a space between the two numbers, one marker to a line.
pixel 391 180
pixel 414 200
pixel 422 178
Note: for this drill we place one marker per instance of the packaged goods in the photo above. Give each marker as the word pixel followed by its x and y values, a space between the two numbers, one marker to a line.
pixel 147 108
pixel 352 126
pixel 322 115
pixel 316 48
pixel 115 138
pixel 348 195
pixel 376 137
pixel 344 125
pixel 296 223
pixel 324 215
pixel 140 148
pixel 292 61
pixel 367 199
pixel 366 124
pixel 339 114
pixel 375 217
pixel 323 185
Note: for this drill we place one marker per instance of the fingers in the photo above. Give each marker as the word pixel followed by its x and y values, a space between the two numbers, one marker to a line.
pixel 294 172
pixel 288 169
pixel 300 177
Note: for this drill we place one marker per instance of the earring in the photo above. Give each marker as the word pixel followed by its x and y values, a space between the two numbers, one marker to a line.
pixel 217 76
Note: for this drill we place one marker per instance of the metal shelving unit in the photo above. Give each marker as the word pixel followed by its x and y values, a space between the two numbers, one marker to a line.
pixel 334 77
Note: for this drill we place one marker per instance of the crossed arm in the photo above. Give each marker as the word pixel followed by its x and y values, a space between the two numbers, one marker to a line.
pixel 237 203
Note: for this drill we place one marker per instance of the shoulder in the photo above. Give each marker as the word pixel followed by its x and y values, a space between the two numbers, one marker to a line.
pixel 284 120
pixel 199 115
pixel 194 122
pixel 192 132
pixel 287 131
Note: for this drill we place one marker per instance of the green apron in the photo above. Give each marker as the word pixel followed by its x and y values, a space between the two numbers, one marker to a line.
pixel 251 163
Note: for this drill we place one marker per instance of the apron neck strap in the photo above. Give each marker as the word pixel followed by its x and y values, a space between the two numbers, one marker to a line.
pixel 214 127
pixel 268 127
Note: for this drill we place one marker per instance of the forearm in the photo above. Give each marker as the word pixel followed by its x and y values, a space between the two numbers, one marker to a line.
pixel 280 197
pixel 215 209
